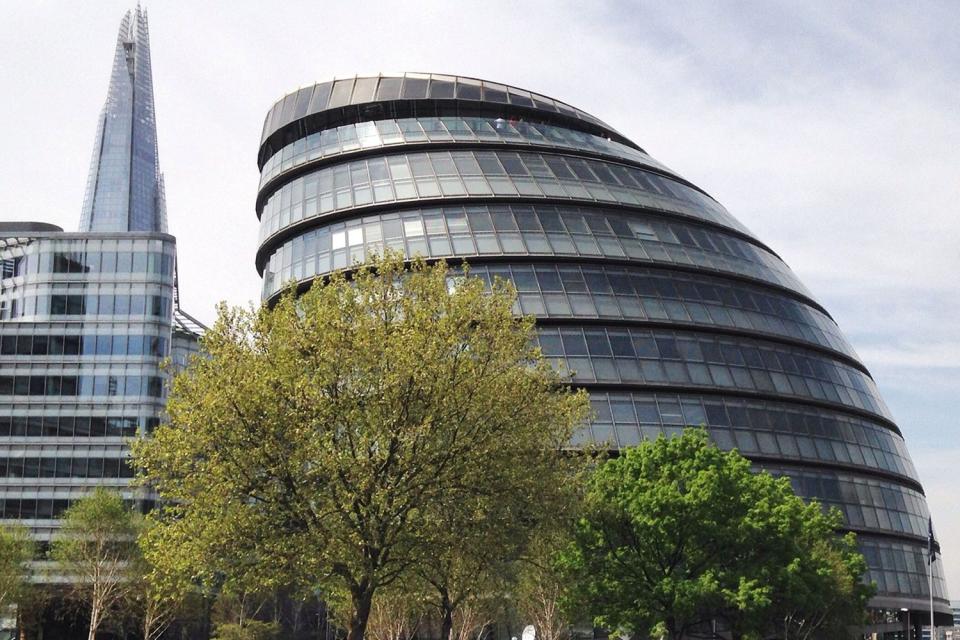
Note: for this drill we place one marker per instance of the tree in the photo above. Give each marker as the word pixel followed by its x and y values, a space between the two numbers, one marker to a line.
pixel 820 592
pixel 34 602
pixel 156 608
pixel 473 552
pixel 679 536
pixel 318 440
pixel 395 615
pixel 96 551
pixel 541 583
pixel 16 552
pixel 155 597
pixel 461 584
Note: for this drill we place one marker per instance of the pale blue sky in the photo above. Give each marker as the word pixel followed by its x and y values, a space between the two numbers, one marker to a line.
pixel 831 129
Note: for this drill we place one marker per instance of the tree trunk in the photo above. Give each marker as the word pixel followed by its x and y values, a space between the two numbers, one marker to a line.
pixel 94 622
pixel 446 624
pixel 362 601
pixel 673 630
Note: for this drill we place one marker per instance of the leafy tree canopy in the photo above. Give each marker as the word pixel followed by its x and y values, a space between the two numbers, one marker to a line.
pixel 678 535
pixel 16 551
pixel 325 441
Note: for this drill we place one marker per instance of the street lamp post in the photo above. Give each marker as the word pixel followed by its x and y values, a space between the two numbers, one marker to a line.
pixel 932 556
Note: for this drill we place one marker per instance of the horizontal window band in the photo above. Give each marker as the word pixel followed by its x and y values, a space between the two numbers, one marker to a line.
pixel 702 328
pixel 270 187
pixel 774 429
pixel 349 138
pixel 870 472
pixel 473 174
pixel 511 259
pixel 805 464
pixel 739 393
pixel 271 242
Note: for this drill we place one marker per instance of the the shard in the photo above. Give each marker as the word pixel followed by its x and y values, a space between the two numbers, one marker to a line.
pixel 125 186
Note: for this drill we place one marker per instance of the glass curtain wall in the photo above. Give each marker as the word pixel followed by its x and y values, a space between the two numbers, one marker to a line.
pixel 666 308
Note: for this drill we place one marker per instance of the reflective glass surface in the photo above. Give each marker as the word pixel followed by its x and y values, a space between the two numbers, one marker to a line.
pixel 464 174
pixel 124 186
pixel 91 254
pixel 106 344
pixel 900 568
pixel 640 356
pixel 25 427
pixel 85 323
pixel 633 293
pixel 72 467
pixel 497 131
pixel 866 503
pixel 767 428
pixel 81 304
pixel 74 384
pixel 520 230
pixel 17 507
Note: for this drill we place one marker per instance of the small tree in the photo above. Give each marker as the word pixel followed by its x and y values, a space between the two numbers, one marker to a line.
pixel 31 607
pixel 678 534
pixel 540 586
pixel 96 552
pixel 316 440
pixel 154 598
pixel 16 551
pixel 395 615
pixel 156 609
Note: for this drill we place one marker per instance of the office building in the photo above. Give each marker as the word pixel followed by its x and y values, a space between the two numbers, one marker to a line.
pixel 87 318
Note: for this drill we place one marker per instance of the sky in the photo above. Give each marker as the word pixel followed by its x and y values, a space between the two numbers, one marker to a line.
pixel 831 129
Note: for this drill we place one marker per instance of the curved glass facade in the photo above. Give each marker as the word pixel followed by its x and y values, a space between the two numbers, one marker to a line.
pixel 360 136
pixel 440 175
pixel 85 325
pixel 579 233
pixel 655 299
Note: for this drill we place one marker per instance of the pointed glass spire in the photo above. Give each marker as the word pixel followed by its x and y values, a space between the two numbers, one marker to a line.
pixel 125 187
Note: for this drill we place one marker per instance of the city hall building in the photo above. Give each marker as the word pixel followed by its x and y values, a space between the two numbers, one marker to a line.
pixel 667 309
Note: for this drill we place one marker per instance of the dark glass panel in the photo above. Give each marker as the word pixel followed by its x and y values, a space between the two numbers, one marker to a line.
pixel 341 93
pixel 389 88
pixel 414 88
pixel 468 91
pixel 441 89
